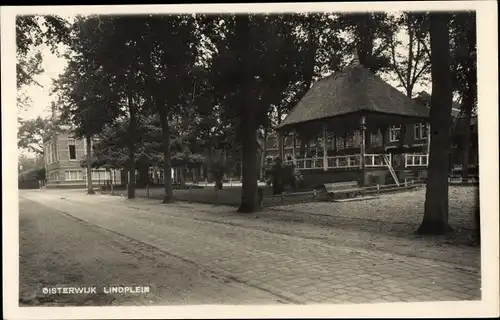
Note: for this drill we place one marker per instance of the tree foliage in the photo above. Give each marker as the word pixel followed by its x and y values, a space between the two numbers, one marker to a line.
pixel 31 32
pixel 366 33
pixel 31 133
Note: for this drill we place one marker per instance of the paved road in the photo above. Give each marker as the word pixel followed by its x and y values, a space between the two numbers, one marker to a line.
pixel 177 246
pixel 57 249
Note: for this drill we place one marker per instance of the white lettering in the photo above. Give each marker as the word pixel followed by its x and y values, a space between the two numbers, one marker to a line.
pixel 126 290
pixel 93 290
pixel 45 290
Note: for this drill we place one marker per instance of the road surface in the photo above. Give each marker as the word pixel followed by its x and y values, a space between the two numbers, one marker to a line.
pixel 200 254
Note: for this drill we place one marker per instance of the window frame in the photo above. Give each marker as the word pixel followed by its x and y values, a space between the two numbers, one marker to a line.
pixel 422 128
pixel 72 143
pixel 67 175
pixel 394 131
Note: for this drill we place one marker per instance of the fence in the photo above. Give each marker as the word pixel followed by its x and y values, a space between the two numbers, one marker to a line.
pixel 232 196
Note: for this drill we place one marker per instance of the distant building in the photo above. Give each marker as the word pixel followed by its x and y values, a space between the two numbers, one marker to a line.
pixel 62 156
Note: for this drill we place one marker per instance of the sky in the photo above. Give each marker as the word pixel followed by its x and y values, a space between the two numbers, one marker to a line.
pixel 53 66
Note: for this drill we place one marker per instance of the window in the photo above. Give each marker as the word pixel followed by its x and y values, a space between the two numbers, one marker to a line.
pixel 375 138
pixel 46 154
pixel 101 175
pixel 420 131
pixel 72 149
pixel 72 175
pixel 53 176
pixel 351 139
pixel 54 154
pixel 394 132
pixel 340 143
pixel 49 153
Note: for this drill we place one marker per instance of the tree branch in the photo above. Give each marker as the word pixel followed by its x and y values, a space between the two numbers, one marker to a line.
pixel 394 62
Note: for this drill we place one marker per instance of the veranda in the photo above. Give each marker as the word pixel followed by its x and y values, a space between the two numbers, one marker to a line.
pixel 342 124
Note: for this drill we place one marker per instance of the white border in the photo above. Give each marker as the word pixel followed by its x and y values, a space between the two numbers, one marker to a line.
pixel 488 148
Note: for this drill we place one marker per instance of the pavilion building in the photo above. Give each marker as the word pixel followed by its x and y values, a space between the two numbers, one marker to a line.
pixel 347 124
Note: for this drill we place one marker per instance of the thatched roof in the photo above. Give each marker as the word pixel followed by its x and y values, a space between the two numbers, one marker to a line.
pixel 355 89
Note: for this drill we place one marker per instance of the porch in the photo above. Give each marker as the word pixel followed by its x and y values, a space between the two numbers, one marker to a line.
pixel 352 161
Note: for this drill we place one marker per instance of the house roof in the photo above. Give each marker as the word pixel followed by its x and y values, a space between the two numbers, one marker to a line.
pixel 425 98
pixel 351 90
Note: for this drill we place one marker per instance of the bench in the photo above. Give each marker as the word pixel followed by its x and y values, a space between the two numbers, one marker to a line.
pixel 349 188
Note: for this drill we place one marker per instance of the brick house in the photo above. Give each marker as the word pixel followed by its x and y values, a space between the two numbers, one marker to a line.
pixel 62 156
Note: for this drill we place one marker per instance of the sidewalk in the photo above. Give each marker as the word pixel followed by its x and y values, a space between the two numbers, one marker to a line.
pixel 257 252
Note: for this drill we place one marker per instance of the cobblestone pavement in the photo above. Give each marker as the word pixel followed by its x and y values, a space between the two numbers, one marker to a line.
pixel 58 250
pixel 297 268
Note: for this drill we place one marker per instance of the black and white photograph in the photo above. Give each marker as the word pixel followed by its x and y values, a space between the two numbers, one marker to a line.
pixel 235 160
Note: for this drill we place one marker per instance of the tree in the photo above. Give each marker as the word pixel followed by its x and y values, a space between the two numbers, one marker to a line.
pixel 169 59
pixel 31 32
pixel 363 31
pixel 261 56
pixel 464 76
pixel 32 132
pixel 29 163
pixel 126 77
pixel 85 96
pixel 413 66
pixel 435 219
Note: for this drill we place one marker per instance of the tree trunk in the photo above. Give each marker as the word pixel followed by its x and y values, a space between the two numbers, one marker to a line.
pixel 466 140
pixel 210 175
pixel 250 173
pixel 469 99
pixel 280 138
pixel 124 177
pixel 167 166
pixel 182 177
pixel 435 220
pixel 248 116
pixel 263 158
pixel 131 148
pixel 143 175
pixel 90 189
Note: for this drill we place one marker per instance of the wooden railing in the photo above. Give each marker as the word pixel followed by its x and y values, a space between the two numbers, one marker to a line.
pixel 376 160
pixel 340 162
pixel 348 161
pixel 306 163
pixel 416 160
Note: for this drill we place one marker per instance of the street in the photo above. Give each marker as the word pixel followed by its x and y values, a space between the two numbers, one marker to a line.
pixel 202 254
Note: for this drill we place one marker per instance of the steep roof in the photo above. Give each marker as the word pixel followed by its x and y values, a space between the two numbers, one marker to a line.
pixel 352 90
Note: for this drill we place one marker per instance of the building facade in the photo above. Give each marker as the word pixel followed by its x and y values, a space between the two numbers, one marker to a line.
pixel 415 141
pixel 63 154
